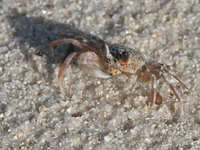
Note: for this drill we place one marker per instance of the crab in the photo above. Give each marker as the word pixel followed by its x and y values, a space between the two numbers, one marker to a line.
pixel 104 60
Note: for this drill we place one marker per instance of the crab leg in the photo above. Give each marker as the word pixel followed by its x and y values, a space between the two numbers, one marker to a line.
pixel 63 68
pixel 153 90
pixel 153 94
pixel 80 43
pixel 177 78
pixel 174 91
pixel 65 64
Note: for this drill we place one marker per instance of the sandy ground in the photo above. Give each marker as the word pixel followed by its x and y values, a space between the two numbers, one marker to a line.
pixel 94 113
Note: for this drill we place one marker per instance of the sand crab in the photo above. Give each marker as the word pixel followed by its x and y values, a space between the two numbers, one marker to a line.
pixel 104 60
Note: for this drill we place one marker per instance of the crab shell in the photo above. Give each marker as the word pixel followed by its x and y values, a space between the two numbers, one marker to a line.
pixel 133 61
pixel 92 64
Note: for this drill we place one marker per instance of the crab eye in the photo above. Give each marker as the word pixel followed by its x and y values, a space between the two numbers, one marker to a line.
pixel 125 56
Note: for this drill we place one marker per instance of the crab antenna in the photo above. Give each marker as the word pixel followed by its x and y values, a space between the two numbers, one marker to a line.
pixel 174 91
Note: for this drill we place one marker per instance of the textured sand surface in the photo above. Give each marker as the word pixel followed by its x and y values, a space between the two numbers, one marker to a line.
pixel 94 113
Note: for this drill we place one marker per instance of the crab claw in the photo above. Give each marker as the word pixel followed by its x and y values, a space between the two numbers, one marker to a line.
pixel 91 64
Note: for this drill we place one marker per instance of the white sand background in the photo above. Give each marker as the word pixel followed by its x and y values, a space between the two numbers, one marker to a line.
pixel 94 113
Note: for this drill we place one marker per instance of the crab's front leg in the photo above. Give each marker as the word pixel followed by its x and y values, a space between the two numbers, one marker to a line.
pixel 80 43
pixel 88 62
pixel 92 65
pixel 91 60
pixel 63 68
pixel 65 65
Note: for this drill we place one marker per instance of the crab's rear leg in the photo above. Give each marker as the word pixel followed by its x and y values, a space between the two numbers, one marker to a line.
pixel 170 72
pixel 174 91
pixel 176 77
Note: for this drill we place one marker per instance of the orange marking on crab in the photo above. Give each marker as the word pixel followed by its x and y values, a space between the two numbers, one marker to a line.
pixel 125 63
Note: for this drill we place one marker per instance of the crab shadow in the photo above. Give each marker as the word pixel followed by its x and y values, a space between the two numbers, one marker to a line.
pixel 37 33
